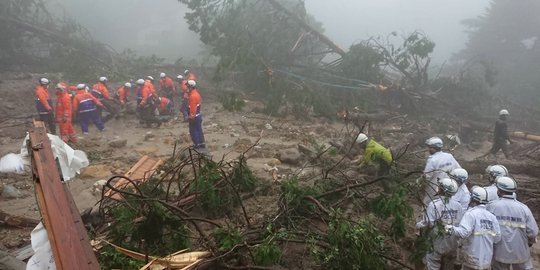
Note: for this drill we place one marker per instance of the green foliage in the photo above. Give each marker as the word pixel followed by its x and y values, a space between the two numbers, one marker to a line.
pixel 227 237
pixel 397 207
pixel 143 226
pixel 292 196
pixel 362 61
pixel 352 245
pixel 411 58
pixel 251 35
pixel 147 226
pixel 213 196
pixel 267 254
pixel 109 258
pixel 423 245
pixel 94 155
pixel 242 176
pixel 232 102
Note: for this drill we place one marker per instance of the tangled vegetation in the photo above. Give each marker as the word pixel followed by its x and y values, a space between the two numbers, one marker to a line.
pixel 193 202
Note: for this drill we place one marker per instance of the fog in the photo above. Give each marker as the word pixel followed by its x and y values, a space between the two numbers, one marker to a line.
pixel 158 26
pixel 349 21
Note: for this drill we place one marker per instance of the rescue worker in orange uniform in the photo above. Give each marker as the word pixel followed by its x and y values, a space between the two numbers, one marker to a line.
pixel 188 75
pixel 166 106
pixel 101 92
pixel 146 102
pixel 184 88
pixel 64 113
pixel 44 105
pixel 122 94
pixel 166 87
pixel 150 81
pixel 85 105
pixel 195 117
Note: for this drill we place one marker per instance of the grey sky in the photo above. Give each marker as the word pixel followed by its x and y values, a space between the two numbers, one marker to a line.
pixel 158 26
pixel 349 21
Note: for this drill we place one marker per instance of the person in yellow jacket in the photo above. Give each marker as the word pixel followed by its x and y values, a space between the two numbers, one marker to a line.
pixel 375 153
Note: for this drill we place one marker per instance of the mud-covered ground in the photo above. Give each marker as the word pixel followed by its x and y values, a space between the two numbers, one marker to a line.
pixel 227 134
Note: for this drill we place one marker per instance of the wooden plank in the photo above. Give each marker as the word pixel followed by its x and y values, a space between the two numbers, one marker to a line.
pixel 139 173
pixel 65 230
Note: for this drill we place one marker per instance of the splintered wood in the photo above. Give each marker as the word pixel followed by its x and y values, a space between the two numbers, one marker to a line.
pixel 140 172
pixel 68 237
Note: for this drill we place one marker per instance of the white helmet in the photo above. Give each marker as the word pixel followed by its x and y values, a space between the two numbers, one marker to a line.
pixel 61 86
pixel 81 86
pixel 179 77
pixel 186 72
pixel 43 81
pixel 191 83
pixel 128 85
pixel 435 142
pixel 505 183
pixel 503 112
pixel 162 75
pixel 140 82
pixel 459 174
pixel 496 170
pixel 361 138
pixel 448 186
pixel 103 79
pixel 150 78
pixel 479 194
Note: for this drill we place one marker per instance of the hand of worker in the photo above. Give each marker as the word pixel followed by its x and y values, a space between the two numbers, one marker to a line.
pixel 449 229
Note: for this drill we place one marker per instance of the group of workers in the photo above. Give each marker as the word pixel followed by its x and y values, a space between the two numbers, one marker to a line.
pixel 486 228
pixel 481 228
pixel 97 105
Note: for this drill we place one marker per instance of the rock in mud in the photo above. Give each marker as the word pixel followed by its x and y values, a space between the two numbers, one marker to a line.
pixel 290 156
pixel 149 135
pixel 118 143
pixel 273 162
pixel 11 192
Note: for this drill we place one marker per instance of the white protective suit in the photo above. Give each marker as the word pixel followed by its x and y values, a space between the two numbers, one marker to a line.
pixel 518 230
pixel 492 192
pixel 463 196
pixel 448 212
pixel 437 167
pixel 480 230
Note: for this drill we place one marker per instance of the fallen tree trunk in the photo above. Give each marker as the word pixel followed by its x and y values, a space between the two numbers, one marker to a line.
pixel 308 28
pixel 514 167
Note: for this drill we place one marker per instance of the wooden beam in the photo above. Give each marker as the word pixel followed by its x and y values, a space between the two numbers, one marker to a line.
pixel 139 173
pixel 68 238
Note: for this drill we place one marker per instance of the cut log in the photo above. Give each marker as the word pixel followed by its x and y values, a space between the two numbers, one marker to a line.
pixel 523 135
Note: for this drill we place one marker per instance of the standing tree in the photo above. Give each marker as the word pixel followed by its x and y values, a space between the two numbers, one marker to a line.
pixel 507 36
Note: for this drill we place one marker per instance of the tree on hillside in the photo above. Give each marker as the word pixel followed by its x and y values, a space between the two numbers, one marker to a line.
pixel 247 34
pixel 507 36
